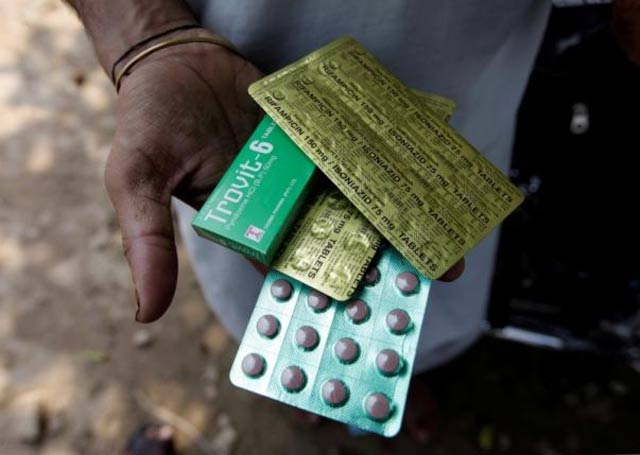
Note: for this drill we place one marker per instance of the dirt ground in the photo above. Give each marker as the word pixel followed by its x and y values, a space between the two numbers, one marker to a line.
pixel 77 374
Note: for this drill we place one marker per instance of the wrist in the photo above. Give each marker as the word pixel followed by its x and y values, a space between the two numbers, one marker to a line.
pixel 190 44
pixel 117 25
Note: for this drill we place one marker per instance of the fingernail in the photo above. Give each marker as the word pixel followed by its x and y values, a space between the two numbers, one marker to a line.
pixel 454 272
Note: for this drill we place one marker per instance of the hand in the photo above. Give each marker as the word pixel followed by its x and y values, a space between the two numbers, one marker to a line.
pixel 183 113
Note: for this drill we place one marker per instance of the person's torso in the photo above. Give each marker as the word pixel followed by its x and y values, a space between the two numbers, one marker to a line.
pixel 477 53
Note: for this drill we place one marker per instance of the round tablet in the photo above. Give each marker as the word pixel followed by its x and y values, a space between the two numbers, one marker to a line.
pixel 407 282
pixel 252 365
pixel 398 320
pixel 377 406
pixel 307 337
pixel 372 276
pixel 358 311
pixel 268 326
pixel 388 362
pixel 281 289
pixel 334 392
pixel 346 350
pixel 317 301
pixel 293 379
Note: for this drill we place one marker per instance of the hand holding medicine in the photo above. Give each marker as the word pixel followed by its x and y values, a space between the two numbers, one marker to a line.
pixel 183 113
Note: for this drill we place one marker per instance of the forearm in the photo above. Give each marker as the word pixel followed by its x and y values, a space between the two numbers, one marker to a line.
pixel 116 25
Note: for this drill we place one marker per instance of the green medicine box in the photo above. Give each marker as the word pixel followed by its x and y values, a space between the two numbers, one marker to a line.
pixel 258 198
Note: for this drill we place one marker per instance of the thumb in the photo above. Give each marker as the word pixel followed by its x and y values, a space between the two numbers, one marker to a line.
pixel 141 197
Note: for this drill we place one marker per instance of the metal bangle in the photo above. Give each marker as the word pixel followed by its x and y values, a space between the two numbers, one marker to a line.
pixel 169 43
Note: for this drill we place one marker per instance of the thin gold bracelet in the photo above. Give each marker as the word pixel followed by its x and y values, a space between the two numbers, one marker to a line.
pixel 169 43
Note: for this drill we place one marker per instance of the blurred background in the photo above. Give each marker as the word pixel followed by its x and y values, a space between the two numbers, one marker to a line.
pixel 559 372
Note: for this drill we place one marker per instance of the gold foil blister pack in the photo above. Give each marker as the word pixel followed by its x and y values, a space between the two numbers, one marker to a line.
pixel 423 187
